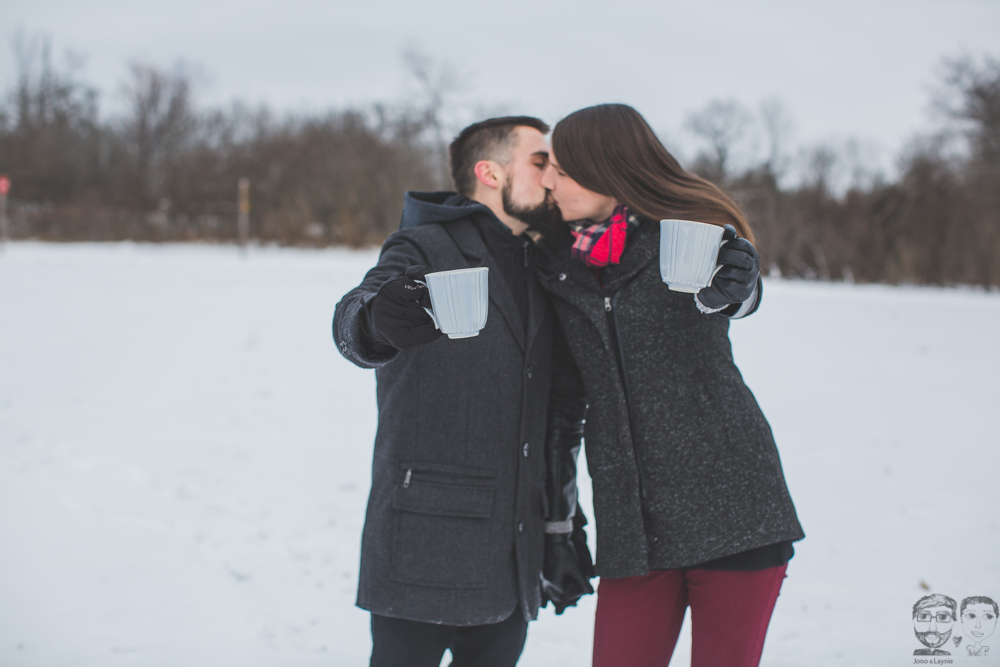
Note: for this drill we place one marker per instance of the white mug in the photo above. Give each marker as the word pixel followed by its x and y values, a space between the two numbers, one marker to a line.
pixel 688 254
pixel 459 300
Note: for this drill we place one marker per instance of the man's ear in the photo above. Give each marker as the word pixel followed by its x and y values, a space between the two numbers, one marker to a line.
pixel 489 173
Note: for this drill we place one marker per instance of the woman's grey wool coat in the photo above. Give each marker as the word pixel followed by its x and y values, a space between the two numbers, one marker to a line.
pixel 686 470
pixel 454 531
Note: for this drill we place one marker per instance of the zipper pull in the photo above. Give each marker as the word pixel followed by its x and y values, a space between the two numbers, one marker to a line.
pixel 525 253
pixel 607 303
pixel 406 480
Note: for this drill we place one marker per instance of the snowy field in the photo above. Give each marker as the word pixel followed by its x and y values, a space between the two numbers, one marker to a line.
pixel 184 461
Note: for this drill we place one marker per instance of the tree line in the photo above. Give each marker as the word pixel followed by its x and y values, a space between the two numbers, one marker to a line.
pixel 936 222
pixel 164 169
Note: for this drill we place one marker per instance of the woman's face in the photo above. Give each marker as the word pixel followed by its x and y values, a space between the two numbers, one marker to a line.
pixel 979 621
pixel 575 202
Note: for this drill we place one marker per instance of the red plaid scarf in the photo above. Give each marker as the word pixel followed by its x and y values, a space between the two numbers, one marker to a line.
pixel 602 244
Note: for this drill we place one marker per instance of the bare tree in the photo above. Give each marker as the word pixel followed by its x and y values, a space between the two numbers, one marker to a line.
pixel 52 126
pixel 970 94
pixel 436 82
pixel 777 125
pixel 723 124
pixel 159 125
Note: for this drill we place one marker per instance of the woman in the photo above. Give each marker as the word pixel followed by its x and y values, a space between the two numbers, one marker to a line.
pixel 689 495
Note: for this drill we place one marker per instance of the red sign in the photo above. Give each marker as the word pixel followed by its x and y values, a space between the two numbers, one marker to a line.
pixel 4 185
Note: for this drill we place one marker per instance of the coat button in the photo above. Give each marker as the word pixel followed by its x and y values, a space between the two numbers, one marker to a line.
pixel 562 276
pixel 529 371
pixel 520 526
pixel 525 450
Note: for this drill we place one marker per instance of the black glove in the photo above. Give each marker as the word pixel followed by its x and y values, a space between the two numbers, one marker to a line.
pixel 396 315
pixel 579 540
pixel 565 577
pixel 736 280
pixel 567 566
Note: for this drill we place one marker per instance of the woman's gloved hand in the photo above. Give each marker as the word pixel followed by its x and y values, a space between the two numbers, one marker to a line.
pixel 737 279
pixel 396 315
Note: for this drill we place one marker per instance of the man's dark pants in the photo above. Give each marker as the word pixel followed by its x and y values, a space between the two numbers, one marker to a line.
pixel 401 643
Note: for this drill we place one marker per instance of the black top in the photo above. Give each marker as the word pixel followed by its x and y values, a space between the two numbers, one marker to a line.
pixel 761 558
pixel 512 255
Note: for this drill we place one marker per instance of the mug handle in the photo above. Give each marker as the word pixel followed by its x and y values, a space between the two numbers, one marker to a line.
pixel 430 312
pixel 718 267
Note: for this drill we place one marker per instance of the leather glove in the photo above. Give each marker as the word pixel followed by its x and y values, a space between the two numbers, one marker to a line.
pixel 563 580
pixel 579 540
pixel 567 567
pixel 736 280
pixel 396 315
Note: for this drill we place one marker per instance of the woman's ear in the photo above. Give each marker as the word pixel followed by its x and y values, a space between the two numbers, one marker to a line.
pixel 488 173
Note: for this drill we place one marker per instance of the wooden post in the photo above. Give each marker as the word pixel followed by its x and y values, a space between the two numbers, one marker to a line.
pixel 244 217
pixel 4 189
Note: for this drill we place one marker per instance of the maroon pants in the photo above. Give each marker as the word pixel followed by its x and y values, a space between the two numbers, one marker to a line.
pixel 639 618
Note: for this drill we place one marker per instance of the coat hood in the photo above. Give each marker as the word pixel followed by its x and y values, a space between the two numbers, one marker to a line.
pixel 422 208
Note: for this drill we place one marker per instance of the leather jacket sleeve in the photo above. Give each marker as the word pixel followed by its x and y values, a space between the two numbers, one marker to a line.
pixel 564 435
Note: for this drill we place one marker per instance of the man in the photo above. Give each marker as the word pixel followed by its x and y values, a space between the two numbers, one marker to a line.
pixel 933 620
pixel 459 516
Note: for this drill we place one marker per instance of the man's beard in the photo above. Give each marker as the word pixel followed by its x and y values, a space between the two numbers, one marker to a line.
pixel 933 639
pixel 544 218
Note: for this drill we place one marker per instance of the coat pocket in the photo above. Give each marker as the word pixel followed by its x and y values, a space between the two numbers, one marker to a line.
pixel 441 533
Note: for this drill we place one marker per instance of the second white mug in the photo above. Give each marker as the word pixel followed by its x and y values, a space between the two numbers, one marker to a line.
pixel 688 254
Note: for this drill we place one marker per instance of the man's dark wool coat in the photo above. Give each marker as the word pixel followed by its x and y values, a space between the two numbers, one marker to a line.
pixel 454 531
pixel 686 470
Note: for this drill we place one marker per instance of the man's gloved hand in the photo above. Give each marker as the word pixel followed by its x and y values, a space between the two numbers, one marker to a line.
pixel 736 280
pixel 396 315
pixel 565 574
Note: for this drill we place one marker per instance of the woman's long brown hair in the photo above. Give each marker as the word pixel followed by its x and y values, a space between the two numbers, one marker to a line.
pixel 610 149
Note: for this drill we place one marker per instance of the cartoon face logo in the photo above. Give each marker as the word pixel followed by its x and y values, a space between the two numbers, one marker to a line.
pixel 979 620
pixel 934 618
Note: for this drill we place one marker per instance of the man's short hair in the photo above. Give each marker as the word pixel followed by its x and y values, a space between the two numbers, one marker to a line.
pixel 935 600
pixel 980 599
pixel 490 139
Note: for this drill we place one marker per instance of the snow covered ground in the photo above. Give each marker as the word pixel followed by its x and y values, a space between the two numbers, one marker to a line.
pixel 184 461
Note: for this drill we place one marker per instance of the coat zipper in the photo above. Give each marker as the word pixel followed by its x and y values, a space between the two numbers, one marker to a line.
pixel 436 475
pixel 620 362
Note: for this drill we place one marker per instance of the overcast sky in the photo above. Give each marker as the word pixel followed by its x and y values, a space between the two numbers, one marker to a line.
pixel 850 68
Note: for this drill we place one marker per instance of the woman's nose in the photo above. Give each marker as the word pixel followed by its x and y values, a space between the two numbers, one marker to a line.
pixel 547 181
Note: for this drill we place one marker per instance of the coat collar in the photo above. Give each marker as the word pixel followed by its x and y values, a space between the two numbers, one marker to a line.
pixel 642 247
pixel 578 283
